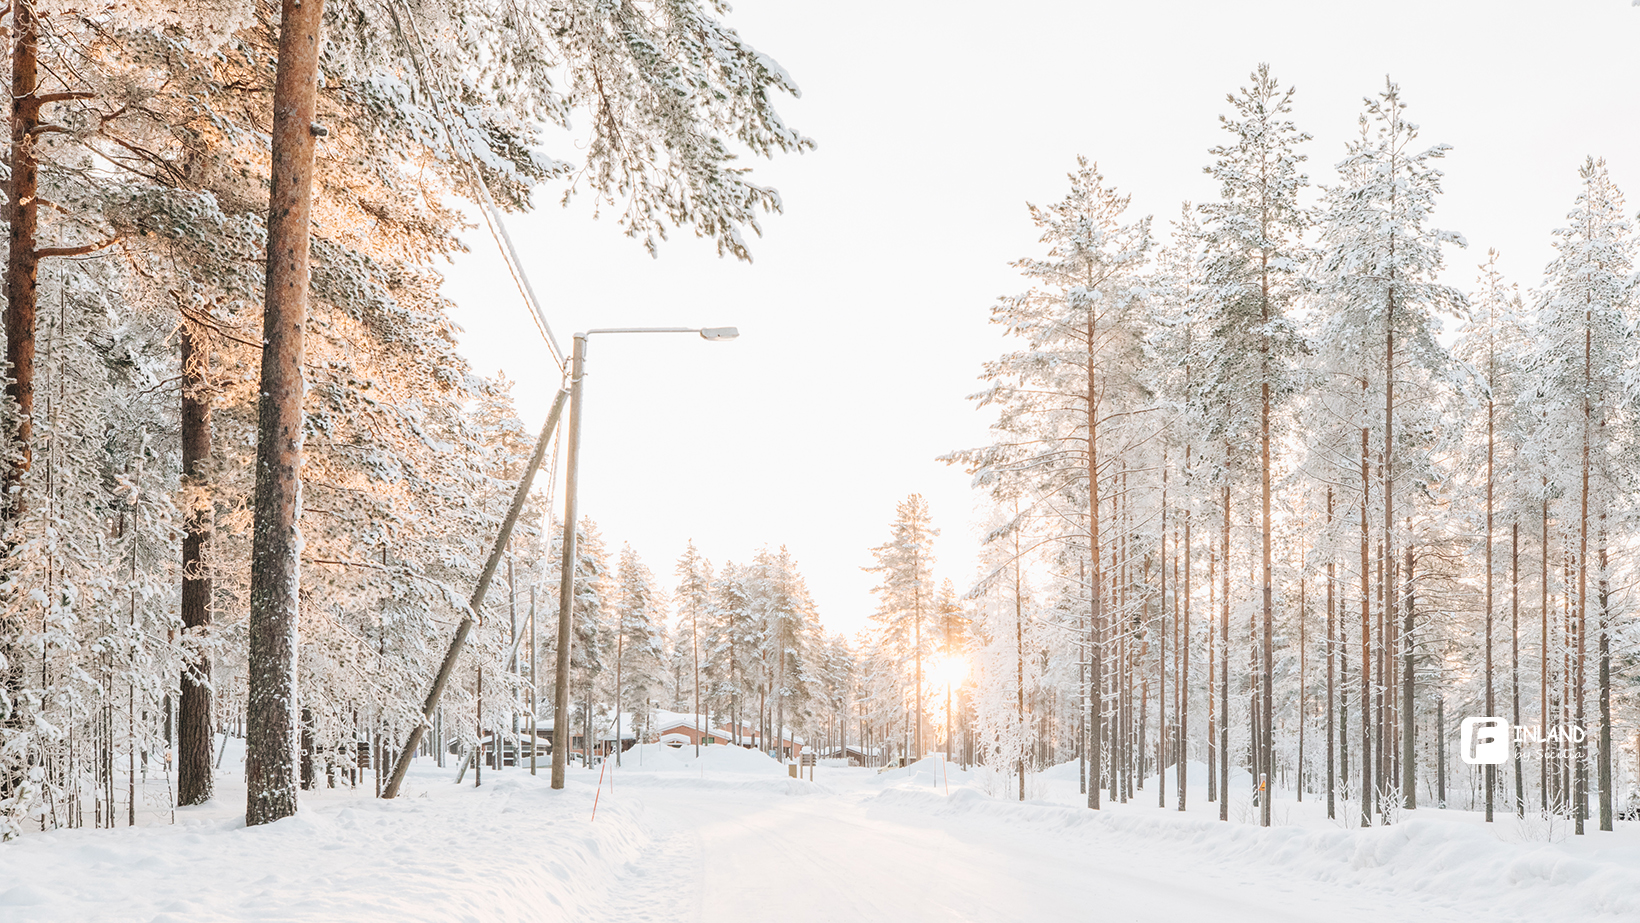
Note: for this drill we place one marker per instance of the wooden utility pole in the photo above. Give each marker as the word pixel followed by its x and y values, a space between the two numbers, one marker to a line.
pixel 475 604
pixel 535 688
pixel 270 738
pixel 566 576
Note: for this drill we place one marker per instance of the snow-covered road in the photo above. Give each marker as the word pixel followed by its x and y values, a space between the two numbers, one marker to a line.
pixel 827 857
pixel 736 840
pixel 830 856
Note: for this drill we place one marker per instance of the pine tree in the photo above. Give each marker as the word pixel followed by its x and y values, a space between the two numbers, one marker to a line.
pixel 1253 254
pixel 1585 351
pixel 1376 274
pixel 1073 386
pixel 694 598
pixel 906 600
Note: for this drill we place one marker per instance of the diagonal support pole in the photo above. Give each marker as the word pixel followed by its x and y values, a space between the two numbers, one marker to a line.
pixel 477 602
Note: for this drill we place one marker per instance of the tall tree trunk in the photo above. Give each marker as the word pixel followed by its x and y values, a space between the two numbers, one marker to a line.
pixel 1514 659
pixel 1440 759
pixel 1390 584
pixel 1543 653
pixel 1604 628
pixel 23 260
pixel 1366 647
pixel 1332 640
pixel 1266 529
pixel 1224 646
pixel 1184 655
pixel 1096 584
pixel 275 568
pixel 1255 687
pixel 1019 649
pixel 1581 795
pixel 1409 727
pixel 916 595
pixel 1161 650
pixel 22 276
pixel 1303 675
pixel 194 737
pixel 1381 688
pixel 1489 772
pixel 1213 786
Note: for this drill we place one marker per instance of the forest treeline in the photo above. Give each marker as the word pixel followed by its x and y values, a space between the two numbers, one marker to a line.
pixel 1274 499
pixel 249 481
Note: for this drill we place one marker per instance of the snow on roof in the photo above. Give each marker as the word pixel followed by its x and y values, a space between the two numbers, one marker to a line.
pixel 673 719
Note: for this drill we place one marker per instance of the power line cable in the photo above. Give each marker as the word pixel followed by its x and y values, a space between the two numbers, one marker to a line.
pixel 481 193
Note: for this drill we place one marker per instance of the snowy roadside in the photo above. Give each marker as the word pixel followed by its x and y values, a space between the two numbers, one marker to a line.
pixel 1447 859
pixel 721 838
pixel 512 849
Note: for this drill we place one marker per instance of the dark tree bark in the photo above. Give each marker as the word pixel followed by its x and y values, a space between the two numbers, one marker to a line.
pixel 23 260
pixel 194 737
pixel 270 769
pixel 22 274
pixel 308 777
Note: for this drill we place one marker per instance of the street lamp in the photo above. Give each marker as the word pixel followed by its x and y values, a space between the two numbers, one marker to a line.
pixel 566 585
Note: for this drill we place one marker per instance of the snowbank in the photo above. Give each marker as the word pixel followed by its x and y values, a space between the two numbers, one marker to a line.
pixel 1460 866
pixel 513 849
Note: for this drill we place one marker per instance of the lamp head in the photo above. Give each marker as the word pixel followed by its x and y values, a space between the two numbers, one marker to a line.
pixel 719 333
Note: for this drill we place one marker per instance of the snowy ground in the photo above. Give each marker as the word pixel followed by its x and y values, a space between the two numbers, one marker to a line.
pixel 731 838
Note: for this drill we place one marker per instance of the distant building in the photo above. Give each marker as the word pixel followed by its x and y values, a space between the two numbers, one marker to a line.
pixel 686 729
pixel 856 756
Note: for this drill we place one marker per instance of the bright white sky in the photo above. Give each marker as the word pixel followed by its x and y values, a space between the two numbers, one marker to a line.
pixel 864 317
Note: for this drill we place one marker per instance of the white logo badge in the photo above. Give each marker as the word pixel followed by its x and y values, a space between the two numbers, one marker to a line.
pixel 1484 741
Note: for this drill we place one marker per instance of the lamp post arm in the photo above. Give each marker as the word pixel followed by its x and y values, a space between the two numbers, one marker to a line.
pixel 639 330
